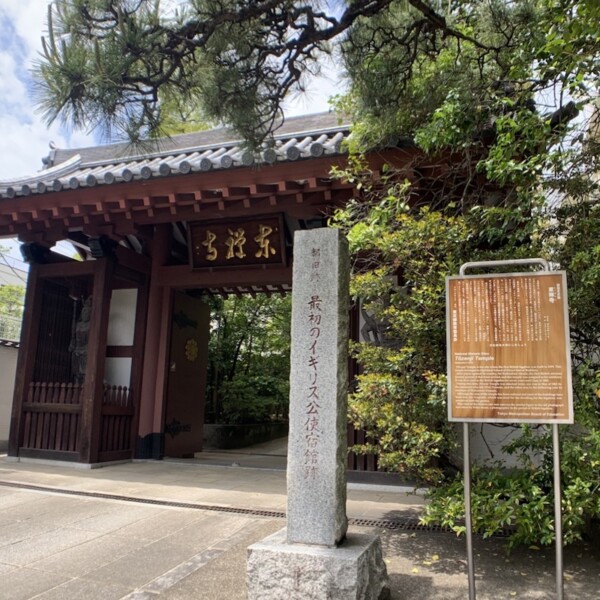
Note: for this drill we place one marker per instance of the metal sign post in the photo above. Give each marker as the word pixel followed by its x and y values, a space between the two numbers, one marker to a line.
pixel 468 523
pixel 558 515
pixel 509 362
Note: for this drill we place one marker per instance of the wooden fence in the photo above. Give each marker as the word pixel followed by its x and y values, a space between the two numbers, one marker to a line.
pixel 52 418
pixel 116 424
pixel 52 415
pixel 359 462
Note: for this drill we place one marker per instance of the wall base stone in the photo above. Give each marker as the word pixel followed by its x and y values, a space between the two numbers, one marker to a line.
pixel 354 570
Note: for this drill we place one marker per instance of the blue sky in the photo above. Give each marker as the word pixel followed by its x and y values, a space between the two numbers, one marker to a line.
pixel 24 139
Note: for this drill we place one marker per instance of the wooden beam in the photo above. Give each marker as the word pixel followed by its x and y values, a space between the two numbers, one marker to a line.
pixel 155 324
pixel 119 351
pixel 137 365
pixel 235 192
pixel 132 260
pixel 210 195
pixel 93 387
pixel 72 268
pixel 43 238
pixel 265 186
pixel 26 356
pixel 181 276
pixel 262 189
pixel 289 186
pixel 126 227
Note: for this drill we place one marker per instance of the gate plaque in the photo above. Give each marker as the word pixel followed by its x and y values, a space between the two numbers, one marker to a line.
pixel 508 348
pixel 238 242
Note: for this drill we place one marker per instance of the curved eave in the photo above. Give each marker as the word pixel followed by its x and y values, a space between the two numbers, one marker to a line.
pixel 74 173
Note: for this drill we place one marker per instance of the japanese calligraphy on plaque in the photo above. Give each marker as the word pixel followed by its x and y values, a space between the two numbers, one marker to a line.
pixel 233 243
pixel 508 348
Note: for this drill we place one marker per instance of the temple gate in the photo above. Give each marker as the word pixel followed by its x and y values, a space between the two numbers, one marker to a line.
pixel 96 373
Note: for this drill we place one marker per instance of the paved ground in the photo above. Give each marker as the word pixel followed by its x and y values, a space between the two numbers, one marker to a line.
pixel 138 531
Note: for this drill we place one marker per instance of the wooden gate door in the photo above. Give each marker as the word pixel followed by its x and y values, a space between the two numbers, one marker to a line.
pixel 184 411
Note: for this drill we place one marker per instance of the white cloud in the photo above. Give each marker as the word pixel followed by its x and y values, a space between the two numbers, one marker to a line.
pixel 13 94
pixel 28 17
pixel 325 84
pixel 23 137
pixel 23 145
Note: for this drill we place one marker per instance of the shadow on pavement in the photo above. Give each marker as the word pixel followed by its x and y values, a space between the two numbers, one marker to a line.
pixel 425 564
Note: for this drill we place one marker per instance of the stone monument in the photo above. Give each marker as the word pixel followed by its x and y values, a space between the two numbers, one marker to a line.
pixel 313 557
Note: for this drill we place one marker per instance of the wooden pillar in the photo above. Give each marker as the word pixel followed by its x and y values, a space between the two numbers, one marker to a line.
pixel 93 386
pixel 151 410
pixel 26 358
pixel 141 315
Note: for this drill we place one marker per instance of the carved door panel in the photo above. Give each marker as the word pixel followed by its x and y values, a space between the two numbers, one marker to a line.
pixel 184 413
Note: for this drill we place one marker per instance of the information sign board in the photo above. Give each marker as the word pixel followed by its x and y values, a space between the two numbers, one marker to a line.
pixel 508 348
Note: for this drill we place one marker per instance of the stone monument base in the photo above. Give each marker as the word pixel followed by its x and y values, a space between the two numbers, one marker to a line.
pixel 354 570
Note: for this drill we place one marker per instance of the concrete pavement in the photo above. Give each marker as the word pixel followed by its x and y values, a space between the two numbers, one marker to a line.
pixel 179 530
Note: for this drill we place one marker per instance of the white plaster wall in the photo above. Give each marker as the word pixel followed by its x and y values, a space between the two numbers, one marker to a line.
pixel 117 371
pixel 121 318
pixel 8 367
pixel 486 442
pixel 121 329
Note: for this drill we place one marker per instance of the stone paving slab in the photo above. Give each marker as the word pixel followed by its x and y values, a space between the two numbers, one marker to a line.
pixel 112 516
pixel 78 561
pixel 4 568
pixel 263 489
pixel 165 523
pixel 145 563
pixel 25 583
pixel 228 571
pixel 81 589
pixel 11 497
pixel 35 548
pixel 70 547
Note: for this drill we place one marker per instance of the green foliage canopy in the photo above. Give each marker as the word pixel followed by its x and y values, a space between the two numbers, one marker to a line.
pixel 500 99
pixel 499 175
pixel 12 298
pixel 110 63
pixel 248 372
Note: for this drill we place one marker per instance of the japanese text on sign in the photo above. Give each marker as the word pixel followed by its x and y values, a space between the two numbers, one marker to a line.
pixel 508 354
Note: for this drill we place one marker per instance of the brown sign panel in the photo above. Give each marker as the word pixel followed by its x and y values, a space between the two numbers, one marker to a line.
pixel 235 243
pixel 508 348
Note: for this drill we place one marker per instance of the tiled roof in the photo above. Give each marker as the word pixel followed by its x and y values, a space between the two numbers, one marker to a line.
pixel 297 138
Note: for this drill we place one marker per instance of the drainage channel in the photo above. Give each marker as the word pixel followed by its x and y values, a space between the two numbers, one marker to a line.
pixel 406 524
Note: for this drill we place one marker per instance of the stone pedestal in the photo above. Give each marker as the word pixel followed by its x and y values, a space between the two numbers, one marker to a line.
pixel 354 570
